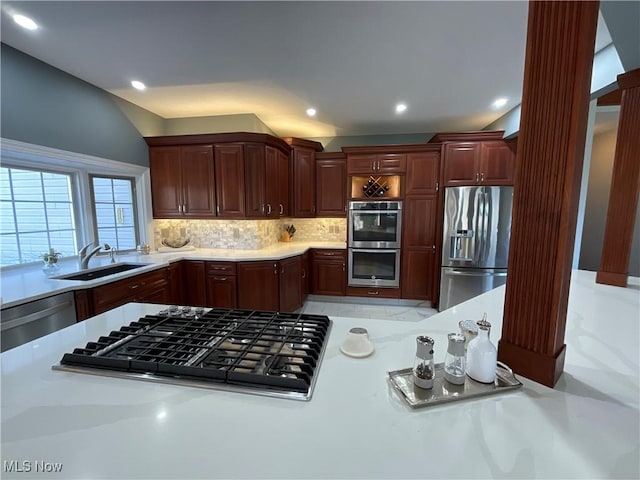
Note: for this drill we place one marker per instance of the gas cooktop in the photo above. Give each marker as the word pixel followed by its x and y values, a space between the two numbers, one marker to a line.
pixel 264 353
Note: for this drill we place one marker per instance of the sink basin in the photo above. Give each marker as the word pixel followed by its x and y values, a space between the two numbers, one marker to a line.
pixel 100 272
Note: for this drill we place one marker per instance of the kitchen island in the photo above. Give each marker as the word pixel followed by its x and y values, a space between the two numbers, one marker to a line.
pixel 355 425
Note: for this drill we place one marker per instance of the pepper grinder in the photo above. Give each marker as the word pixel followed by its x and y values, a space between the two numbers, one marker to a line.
pixel 423 367
pixel 482 354
pixel 454 361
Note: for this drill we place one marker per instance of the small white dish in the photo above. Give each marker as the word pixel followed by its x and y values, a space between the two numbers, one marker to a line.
pixel 357 343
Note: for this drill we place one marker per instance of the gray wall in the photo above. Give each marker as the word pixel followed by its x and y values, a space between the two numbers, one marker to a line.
pixel 602 155
pixel 46 106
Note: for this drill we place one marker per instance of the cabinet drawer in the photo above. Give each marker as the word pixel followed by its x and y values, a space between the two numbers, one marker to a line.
pixel 221 268
pixel 338 255
pixel 372 292
pixel 127 290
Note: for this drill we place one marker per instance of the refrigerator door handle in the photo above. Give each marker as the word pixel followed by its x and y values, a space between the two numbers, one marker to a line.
pixel 463 273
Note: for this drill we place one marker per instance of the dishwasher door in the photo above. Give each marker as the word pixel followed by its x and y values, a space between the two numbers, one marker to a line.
pixel 26 322
pixel 460 284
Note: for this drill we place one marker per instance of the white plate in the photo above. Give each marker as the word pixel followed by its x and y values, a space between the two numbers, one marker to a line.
pixel 362 352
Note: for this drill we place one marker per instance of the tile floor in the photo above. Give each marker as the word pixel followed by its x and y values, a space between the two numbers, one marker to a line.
pixel 412 311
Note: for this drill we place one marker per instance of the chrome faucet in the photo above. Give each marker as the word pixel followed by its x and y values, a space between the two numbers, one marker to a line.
pixel 85 257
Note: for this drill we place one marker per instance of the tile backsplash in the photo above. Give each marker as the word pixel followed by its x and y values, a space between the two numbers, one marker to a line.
pixel 247 234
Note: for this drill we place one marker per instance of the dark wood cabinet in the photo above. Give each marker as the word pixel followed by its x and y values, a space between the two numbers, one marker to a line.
pixel 267 181
pixel 380 163
pixel 304 182
pixel 222 290
pixel 331 185
pixel 258 285
pixel 182 181
pixel 229 183
pixel 254 175
pixel 305 275
pixel 195 293
pixel 419 268
pixel 175 290
pixel 329 272
pixel 422 173
pixel 478 163
pixel 148 287
pixel 84 309
pixel 290 283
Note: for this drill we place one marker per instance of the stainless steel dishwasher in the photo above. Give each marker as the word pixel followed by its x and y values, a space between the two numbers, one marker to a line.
pixel 26 322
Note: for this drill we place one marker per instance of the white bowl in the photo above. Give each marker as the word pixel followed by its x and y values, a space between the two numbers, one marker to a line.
pixel 357 343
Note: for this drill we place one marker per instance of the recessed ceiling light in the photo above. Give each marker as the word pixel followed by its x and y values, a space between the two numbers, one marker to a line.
pixel 401 107
pixel 311 112
pixel 138 85
pixel 499 103
pixel 25 22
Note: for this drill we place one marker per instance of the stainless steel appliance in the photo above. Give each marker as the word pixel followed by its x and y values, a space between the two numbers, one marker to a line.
pixel 374 243
pixel 263 353
pixel 375 224
pixel 26 322
pixel 475 245
pixel 377 267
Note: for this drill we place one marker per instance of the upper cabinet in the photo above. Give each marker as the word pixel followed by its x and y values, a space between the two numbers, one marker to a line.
pixel 480 158
pixel 331 185
pixel 422 173
pixel 239 175
pixel 303 176
pixel 182 181
pixel 375 163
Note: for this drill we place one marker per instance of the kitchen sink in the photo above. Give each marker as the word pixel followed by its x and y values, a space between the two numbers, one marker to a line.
pixel 100 272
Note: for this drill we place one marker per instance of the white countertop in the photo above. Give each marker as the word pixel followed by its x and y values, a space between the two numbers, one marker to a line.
pixel 355 426
pixel 27 283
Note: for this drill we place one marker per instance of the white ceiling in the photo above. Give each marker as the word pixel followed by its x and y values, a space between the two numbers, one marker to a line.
pixel 352 61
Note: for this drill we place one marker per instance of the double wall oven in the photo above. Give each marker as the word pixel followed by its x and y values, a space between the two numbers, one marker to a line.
pixel 374 243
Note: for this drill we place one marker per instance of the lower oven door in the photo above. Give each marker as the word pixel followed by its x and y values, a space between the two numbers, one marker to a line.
pixel 374 267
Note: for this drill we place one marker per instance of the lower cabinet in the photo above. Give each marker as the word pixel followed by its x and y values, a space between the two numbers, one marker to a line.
pixel 222 288
pixel 258 285
pixel 195 292
pixel 175 292
pixel 148 287
pixel 373 292
pixel 306 269
pixel 329 267
pixel 418 273
pixel 290 283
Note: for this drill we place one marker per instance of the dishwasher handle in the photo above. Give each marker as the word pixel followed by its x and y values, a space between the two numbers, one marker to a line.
pixel 32 317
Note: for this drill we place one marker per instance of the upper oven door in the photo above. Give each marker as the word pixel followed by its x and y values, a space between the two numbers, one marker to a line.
pixel 375 224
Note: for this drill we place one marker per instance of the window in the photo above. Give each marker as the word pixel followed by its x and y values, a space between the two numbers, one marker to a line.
pixel 36 209
pixel 114 211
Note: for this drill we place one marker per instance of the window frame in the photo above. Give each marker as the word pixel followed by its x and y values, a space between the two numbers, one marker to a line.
pixel 14 153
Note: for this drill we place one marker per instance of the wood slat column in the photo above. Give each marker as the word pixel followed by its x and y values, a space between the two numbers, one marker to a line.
pixel 625 186
pixel 555 104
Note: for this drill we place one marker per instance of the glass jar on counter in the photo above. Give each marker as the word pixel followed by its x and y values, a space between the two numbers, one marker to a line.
pixel 455 364
pixel 423 366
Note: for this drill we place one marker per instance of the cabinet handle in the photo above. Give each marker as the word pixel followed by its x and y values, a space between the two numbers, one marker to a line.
pixel 268 209
pixel 133 287
pixel 433 248
pixel 281 209
pixel 343 269
pixel 437 186
pixel 477 177
pixel 275 269
pixel 218 209
pixel 222 279
pixel 304 273
pixel 482 177
pixel 373 293
pixel 184 208
pixel 282 270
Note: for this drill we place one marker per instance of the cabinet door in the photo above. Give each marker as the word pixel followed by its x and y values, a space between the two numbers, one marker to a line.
pixel 258 286
pixel 497 163
pixel 419 221
pixel 254 175
pixel 461 162
pixel 157 295
pixel 391 163
pixel 84 309
pixel 197 181
pixel 422 173
pixel 284 185
pixel 194 284
pixel 365 163
pixel 176 284
pixel 272 183
pixel 305 275
pixel 229 165
pixel 222 291
pixel 166 182
pixel 329 277
pixel 290 284
pixel 304 182
pixel 331 188
pixel 418 273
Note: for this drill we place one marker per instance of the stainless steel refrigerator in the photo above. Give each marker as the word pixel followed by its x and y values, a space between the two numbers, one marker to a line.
pixel 475 244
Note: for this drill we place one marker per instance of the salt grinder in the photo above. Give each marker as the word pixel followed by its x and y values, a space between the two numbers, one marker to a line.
pixel 454 361
pixel 423 367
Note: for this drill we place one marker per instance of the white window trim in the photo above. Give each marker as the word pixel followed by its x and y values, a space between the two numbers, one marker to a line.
pixel 27 155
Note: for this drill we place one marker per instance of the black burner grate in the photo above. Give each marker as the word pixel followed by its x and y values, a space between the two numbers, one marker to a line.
pixel 250 348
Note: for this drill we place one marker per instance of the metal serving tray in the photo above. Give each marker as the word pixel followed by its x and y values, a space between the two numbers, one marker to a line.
pixel 445 392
